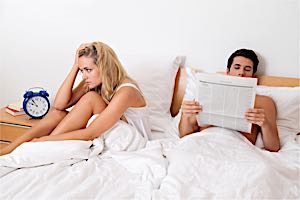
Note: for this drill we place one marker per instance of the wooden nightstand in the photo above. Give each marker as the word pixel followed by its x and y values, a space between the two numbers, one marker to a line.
pixel 13 126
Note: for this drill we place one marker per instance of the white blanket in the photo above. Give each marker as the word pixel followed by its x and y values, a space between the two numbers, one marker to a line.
pixel 214 164
pixel 117 165
pixel 34 154
pixel 221 164
pixel 121 137
pixel 110 175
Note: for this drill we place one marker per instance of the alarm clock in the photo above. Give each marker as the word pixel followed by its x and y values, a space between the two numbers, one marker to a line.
pixel 36 103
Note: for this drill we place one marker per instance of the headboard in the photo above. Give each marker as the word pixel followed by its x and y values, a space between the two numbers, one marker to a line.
pixel 181 79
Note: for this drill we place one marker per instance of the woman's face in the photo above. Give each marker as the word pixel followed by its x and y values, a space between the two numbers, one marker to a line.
pixel 241 66
pixel 90 72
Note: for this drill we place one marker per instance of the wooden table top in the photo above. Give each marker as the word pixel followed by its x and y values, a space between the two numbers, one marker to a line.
pixel 24 120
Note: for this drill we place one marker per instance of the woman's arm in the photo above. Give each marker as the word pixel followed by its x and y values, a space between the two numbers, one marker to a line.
pixel 264 115
pixel 122 100
pixel 65 96
pixel 188 122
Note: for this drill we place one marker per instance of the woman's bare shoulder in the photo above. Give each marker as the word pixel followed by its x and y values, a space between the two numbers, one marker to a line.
pixel 130 81
pixel 132 93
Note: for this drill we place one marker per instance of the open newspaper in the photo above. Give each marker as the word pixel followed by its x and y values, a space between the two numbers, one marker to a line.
pixel 225 99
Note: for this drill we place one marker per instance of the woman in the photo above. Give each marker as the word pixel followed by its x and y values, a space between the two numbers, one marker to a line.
pixel 106 92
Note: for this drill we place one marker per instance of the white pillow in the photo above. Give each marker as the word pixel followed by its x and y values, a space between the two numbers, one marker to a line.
pixel 287 100
pixel 156 78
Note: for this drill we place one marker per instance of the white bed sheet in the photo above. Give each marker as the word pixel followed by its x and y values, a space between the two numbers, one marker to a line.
pixel 222 164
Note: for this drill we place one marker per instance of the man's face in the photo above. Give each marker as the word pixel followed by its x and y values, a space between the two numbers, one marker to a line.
pixel 241 66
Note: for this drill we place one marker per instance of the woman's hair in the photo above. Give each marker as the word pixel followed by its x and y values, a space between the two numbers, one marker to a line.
pixel 247 53
pixel 112 71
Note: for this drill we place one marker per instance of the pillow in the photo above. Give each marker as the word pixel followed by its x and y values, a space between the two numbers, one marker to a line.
pixel 287 100
pixel 156 79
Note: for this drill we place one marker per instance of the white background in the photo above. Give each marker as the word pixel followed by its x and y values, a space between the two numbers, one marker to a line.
pixel 38 38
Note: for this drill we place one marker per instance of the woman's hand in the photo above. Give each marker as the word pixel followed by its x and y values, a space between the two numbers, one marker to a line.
pixel 256 116
pixel 190 108
pixel 82 46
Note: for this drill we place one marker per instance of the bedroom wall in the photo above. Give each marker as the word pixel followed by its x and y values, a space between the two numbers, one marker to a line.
pixel 38 38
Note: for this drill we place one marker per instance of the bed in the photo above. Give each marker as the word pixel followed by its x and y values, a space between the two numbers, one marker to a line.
pixel 219 164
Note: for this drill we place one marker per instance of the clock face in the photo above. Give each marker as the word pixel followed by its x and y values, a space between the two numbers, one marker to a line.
pixel 37 106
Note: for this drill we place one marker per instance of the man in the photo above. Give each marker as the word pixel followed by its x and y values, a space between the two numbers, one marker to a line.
pixel 243 63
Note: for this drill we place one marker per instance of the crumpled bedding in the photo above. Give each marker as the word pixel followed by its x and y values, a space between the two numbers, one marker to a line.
pixel 121 137
pixel 98 166
pixel 109 175
pixel 218 163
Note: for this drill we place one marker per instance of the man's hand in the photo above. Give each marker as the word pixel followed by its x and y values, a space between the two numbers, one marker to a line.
pixel 188 122
pixel 190 108
pixel 256 116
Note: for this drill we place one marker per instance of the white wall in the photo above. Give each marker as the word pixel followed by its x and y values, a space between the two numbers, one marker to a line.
pixel 38 38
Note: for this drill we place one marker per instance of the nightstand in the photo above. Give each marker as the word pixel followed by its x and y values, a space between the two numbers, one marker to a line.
pixel 13 126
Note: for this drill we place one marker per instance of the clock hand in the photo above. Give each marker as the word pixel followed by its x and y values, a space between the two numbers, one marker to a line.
pixel 34 103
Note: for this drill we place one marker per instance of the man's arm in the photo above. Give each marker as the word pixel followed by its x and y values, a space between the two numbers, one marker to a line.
pixel 188 122
pixel 264 115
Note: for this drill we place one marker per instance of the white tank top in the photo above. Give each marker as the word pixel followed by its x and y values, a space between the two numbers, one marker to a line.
pixel 138 117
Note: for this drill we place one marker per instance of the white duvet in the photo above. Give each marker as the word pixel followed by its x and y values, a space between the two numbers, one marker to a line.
pixel 221 164
pixel 119 165
pixel 214 164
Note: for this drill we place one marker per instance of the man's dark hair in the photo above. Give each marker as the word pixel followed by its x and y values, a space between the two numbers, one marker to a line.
pixel 247 53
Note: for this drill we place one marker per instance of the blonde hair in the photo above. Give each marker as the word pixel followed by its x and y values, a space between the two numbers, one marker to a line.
pixel 112 71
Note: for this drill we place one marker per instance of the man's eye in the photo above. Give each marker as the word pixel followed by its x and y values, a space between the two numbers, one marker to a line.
pixel 236 67
pixel 248 69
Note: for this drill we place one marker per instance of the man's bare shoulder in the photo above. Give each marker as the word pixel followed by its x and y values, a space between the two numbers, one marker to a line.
pixel 262 101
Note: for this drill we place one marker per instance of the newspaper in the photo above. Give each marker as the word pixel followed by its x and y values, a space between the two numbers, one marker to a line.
pixel 224 100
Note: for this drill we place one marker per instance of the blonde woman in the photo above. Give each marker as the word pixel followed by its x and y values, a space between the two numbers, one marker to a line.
pixel 106 92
